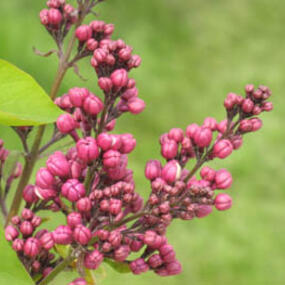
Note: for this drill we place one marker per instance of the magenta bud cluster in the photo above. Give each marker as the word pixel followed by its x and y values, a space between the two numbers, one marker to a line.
pixel 91 184
pixel 59 17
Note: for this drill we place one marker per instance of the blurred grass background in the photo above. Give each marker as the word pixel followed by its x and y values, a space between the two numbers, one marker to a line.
pixel 194 52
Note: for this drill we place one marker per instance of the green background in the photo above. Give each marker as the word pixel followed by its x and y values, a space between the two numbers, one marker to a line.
pixel 194 52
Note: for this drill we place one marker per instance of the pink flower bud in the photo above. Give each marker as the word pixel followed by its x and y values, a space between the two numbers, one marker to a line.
pixel 130 93
pixel 36 221
pixel 203 211
pixel 16 220
pixel 104 205
pixel 93 105
pixel 176 134
pixel 223 179
pixel 29 194
pixel 121 253
pixel 111 158
pixel 109 29
pixel 77 96
pixel 73 190
pixel 93 260
pixel 171 171
pixel 97 26
pixel 105 83
pixel 119 78
pixel 82 234
pixel 66 123
pixel 11 233
pixel 45 194
pixel 87 149
pixel 267 106
pixel 167 253
pixel 256 110
pixel 208 173
pixel 54 17
pixel 245 126
pixel 105 141
pixel 91 44
pixel 62 235
pixel 249 88
pixel 103 234
pixel 203 137
pixel 139 266
pixel 247 106
pixel 222 149
pixel 155 261
pixel 135 105
pixel 125 53
pixel 55 3
pixel 18 245
pixel 236 141
pixel 256 124
pixel 74 219
pixel 153 240
pixel 100 54
pixel 210 123
pixel 223 202
pixel 44 16
pixel 27 214
pixel 83 33
pixel 47 271
pixel 26 228
pixel 230 101
pixel 153 169
pixel 58 165
pixel 110 126
pixel 47 241
pixel 128 143
pixel 169 149
pixel 173 268
pixel 115 238
pixel 136 245
pixel 44 178
pixel 64 102
pixel 115 206
pixel 84 205
pixel 32 247
pixel 135 61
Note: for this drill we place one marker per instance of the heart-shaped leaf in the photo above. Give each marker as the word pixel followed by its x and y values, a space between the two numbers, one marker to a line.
pixel 23 102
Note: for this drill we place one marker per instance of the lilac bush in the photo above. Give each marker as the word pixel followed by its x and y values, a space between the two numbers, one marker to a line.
pixel 106 220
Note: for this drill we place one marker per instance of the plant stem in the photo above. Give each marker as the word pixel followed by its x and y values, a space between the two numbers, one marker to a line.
pixel 129 219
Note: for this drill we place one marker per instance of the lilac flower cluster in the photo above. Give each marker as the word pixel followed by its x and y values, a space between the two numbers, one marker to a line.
pixel 91 184
pixel 33 248
pixel 59 18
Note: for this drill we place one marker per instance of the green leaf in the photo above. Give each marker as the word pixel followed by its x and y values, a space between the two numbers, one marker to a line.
pixel 23 102
pixel 118 266
pixel 11 269
pixel 62 250
pixel 95 277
